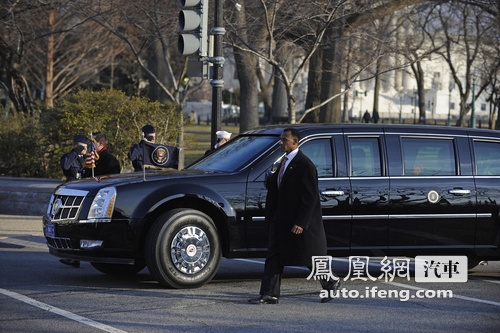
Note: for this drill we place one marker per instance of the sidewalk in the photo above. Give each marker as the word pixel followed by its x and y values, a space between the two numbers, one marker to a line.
pixel 26 196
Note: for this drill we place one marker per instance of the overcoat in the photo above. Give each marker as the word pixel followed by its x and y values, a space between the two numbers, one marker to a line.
pixel 296 202
pixel 106 164
pixel 135 155
pixel 71 165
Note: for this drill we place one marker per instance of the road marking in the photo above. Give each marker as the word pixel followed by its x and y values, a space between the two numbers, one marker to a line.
pixel 477 300
pixel 472 299
pixel 60 312
pixel 491 281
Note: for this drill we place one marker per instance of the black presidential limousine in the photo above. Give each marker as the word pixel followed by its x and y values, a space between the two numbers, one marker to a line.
pixel 385 190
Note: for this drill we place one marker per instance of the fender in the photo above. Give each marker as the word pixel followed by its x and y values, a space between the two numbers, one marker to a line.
pixel 160 192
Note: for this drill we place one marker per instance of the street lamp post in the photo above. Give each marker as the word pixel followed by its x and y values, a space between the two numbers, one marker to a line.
pixel 415 114
pixel 217 81
pixel 450 88
pixel 231 90
pixel 473 110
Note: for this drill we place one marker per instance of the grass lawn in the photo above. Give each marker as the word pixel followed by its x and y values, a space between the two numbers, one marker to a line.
pixel 197 140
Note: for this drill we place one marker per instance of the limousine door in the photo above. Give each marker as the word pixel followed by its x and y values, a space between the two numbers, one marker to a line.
pixel 327 154
pixel 433 203
pixel 487 176
pixel 369 190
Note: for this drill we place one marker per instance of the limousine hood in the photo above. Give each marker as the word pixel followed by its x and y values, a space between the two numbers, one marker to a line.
pixel 117 180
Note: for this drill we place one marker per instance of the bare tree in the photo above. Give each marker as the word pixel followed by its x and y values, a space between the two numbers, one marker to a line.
pixel 288 25
pixel 315 29
pixel 460 32
pixel 149 29
pixel 46 50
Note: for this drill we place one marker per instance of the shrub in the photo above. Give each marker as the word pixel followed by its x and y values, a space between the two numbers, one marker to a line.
pixel 41 141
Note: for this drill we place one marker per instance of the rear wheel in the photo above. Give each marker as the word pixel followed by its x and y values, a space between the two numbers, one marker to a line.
pixel 118 269
pixel 183 249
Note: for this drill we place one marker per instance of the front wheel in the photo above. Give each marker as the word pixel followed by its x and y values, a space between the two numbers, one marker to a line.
pixel 182 249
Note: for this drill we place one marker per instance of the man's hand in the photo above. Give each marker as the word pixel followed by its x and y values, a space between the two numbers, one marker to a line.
pixel 417 169
pixel 79 149
pixel 297 230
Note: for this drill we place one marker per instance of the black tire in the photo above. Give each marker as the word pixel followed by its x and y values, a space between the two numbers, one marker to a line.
pixel 118 269
pixel 182 249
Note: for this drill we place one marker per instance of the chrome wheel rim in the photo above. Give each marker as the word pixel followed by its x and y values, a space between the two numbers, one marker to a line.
pixel 190 250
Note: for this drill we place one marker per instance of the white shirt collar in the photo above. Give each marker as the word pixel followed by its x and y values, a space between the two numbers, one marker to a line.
pixel 292 154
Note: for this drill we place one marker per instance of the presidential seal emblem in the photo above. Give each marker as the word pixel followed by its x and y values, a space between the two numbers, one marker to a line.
pixel 433 196
pixel 160 156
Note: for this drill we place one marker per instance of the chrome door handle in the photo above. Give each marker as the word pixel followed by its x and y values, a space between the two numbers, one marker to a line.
pixel 459 192
pixel 332 193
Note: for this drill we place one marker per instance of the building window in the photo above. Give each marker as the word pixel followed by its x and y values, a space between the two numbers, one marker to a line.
pixel 483 107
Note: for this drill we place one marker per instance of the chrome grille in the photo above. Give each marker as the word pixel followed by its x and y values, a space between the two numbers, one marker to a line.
pixel 65 206
pixel 59 242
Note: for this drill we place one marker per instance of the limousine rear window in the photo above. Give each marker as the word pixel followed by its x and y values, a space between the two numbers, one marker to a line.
pixel 235 154
pixel 365 157
pixel 487 158
pixel 428 157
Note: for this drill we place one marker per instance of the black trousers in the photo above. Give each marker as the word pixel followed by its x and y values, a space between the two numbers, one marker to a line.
pixel 273 270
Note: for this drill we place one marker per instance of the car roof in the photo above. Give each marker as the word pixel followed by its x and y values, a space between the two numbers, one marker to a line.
pixel 321 128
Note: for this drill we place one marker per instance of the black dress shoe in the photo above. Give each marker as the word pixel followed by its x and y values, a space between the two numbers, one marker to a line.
pixel 332 292
pixel 264 299
pixel 70 262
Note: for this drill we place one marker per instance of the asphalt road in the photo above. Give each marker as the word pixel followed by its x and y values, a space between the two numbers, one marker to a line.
pixel 38 294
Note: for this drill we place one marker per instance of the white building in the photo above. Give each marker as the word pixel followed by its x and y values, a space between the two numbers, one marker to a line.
pixel 398 95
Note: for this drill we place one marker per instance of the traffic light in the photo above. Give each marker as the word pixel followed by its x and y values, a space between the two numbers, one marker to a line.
pixel 193 24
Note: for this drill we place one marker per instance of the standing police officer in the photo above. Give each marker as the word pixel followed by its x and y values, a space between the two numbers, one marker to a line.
pixel 72 167
pixel 71 163
pixel 135 153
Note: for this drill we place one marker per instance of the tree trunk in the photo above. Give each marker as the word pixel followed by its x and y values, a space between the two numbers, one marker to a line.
pixel 376 90
pixel 246 64
pixel 331 78
pixel 158 66
pixel 497 125
pixel 313 97
pixel 49 78
pixel 246 69
pixel 280 101
pixel 266 88
pixel 348 82
pixel 419 78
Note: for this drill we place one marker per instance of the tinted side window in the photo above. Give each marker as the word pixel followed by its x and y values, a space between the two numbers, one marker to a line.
pixel 320 153
pixel 487 158
pixel 365 157
pixel 428 157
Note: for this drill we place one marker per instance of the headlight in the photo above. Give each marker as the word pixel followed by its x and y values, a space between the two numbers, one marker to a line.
pixel 103 204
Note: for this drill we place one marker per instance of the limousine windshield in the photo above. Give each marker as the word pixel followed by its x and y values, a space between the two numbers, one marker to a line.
pixel 236 154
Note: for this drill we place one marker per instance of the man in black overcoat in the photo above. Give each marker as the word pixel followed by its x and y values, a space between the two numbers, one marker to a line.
pixel 107 164
pixel 293 215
